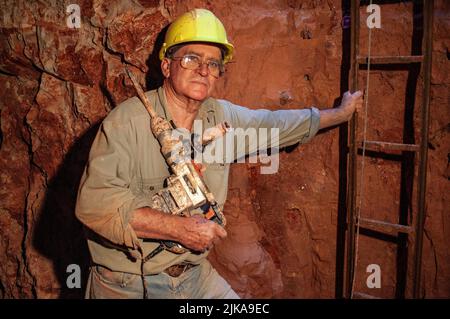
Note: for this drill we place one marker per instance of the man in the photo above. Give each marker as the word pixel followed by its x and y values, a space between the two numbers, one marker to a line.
pixel 126 167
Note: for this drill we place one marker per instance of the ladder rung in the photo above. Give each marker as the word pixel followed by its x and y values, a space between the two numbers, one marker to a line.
pixel 385 225
pixel 400 59
pixel 362 295
pixel 381 146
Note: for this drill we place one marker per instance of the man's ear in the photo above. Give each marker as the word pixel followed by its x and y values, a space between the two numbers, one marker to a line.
pixel 165 67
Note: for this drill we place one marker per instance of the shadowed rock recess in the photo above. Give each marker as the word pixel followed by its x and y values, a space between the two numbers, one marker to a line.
pixel 57 84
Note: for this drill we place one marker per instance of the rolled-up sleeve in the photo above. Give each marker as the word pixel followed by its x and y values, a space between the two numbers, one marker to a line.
pixel 292 126
pixel 105 200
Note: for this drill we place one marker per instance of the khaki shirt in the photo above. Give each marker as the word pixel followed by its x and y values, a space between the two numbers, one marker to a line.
pixel 126 167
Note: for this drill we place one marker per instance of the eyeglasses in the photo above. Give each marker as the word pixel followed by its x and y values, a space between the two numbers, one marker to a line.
pixel 193 62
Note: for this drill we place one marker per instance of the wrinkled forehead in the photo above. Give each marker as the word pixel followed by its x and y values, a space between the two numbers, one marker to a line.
pixel 202 49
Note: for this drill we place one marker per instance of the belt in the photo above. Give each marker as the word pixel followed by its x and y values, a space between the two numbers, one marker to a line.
pixel 177 270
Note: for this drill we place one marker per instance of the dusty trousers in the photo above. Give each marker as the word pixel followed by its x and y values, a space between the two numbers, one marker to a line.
pixel 200 282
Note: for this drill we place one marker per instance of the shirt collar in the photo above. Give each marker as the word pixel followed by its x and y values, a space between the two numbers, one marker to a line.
pixel 161 102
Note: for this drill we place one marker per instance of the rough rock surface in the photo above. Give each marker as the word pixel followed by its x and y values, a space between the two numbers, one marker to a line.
pixel 58 83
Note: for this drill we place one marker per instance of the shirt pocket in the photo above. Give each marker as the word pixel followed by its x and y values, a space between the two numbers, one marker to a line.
pixel 149 186
pixel 115 278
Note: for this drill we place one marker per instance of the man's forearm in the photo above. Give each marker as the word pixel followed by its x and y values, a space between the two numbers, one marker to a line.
pixel 349 104
pixel 150 223
pixel 196 233
pixel 331 117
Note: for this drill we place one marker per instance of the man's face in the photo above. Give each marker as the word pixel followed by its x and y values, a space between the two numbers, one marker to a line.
pixel 193 84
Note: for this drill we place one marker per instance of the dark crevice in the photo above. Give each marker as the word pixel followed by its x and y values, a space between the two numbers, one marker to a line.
pixel 103 87
pixel 6 73
pixel 111 51
pixel 38 48
pixel 1 131
pixel 388 67
pixel 57 229
pixel 29 143
pixel 73 105
pixel 154 77
pixel 56 76
pixel 343 154
pixel 371 233
pixel 107 96
pixel 26 230
pixel 408 166
pixel 448 166
pixel 381 155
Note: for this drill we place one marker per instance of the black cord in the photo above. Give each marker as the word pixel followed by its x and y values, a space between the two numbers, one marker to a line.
pixel 156 251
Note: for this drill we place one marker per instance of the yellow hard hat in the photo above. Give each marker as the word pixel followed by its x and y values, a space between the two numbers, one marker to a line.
pixel 197 25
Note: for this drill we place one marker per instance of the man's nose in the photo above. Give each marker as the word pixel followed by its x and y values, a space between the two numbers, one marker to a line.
pixel 203 69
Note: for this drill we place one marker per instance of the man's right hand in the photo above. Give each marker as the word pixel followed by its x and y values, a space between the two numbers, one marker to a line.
pixel 196 233
pixel 200 234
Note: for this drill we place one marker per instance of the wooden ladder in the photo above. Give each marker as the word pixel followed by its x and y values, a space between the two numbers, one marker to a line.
pixel 419 60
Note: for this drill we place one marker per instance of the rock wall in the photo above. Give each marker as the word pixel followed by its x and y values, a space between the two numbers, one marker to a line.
pixel 57 84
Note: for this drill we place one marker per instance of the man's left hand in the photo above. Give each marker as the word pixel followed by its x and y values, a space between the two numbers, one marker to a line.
pixel 351 102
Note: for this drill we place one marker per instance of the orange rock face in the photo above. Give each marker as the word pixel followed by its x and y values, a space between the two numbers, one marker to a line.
pixel 58 83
